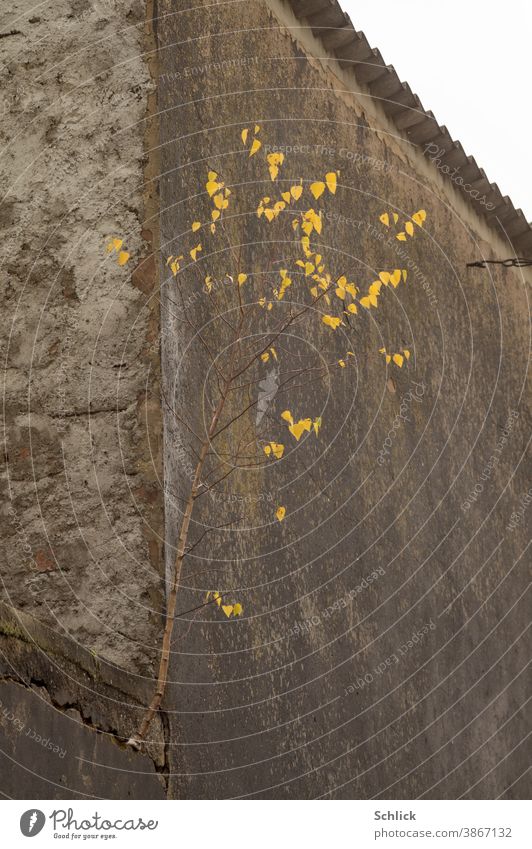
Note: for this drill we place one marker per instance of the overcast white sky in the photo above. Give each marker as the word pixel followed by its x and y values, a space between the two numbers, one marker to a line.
pixel 470 63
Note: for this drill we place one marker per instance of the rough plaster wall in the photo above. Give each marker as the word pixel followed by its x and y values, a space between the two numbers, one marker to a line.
pixel 254 709
pixel 82 511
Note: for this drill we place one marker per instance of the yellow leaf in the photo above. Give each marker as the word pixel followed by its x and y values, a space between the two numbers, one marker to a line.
pixel 280 513
pixel 406 353
pixel 341 363
pixel 385 219
pixel 340 293
pixel 284 286
pixel 227 609
pixel 123 257
pixel 213 228
pixel 409 227
pixel 298 428
pixel 384 277
pixel 195 226
pixel 275 448
pixel 419 217
pixel 395 278
pixel 388 358
pixel 265 357
pixel 270 214
pixel 195 251
pixel 208 283
pixel 398 360
pixel 395 217
pixel 257 129
pixel 114 245
pixel 274 353
pixel 315 219
pixel 244 135
pixel 352 308
pixel 351 289
pixel 287 416
pixel 237 609
pixel 212 175
pixel 242 279
pixel 369 301
pixel 296 192
pixel 220 202
pixel 316 424
pixel 274 171
pixel 286 196
pixel 375 288
pixel 317 189
pixel 305 244
pixel 212 187
pixel 256 146
pixel 331 321
pixel 330 179
pixel 401 237
pixel 404 275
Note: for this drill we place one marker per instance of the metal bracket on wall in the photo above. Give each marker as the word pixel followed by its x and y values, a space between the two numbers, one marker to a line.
pixel 513 262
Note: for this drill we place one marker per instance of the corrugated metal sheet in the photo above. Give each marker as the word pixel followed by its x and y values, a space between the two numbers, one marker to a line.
pixel 330 24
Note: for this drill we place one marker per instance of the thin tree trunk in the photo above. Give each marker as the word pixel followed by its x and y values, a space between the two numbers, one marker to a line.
pixel 136 740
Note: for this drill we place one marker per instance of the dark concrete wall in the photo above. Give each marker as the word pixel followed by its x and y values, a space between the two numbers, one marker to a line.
pixel 256 710
pixel 65 717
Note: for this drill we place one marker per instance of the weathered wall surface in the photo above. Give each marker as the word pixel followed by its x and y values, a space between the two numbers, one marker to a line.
pixel 381 649
pixel 410 683
pixel 82 510
pixel 64 719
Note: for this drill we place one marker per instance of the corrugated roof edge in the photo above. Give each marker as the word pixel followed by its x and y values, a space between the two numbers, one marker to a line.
pixel 333 27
